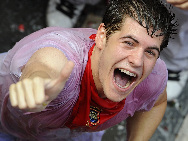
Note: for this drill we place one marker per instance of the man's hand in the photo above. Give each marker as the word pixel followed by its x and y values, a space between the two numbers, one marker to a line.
pixel 182 4
pixel 30 93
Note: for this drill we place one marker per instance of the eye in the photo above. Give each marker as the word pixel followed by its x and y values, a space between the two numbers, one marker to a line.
pixel 128 43
pixel 151 52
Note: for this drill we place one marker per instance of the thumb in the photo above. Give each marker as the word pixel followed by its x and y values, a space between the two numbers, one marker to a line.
pixel 65 72
pixel 54 87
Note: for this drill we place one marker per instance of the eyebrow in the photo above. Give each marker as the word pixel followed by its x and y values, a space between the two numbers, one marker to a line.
pixel 131 37
pixel 156 48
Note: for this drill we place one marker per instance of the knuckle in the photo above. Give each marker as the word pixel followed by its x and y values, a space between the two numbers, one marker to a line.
pixel 36 79
pixel 11 88
pixel 19 84
pixel 26 81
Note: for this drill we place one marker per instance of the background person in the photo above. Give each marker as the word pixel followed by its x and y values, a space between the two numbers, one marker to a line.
pixel 176 54
pixel 65 13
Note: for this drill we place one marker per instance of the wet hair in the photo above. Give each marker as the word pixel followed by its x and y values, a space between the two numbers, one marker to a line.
pixel 151 14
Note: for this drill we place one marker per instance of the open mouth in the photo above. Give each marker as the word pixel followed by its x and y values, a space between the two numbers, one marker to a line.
pixel 123 78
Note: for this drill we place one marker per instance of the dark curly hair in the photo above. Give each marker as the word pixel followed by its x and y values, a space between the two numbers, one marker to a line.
pixel 151 14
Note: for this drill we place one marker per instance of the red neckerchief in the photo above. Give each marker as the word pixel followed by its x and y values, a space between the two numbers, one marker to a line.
pixel 90 110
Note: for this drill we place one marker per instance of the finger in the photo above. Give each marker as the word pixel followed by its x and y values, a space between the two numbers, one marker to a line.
pixel 29 96
pixel 13 97
pixel 176 2
pixel 20 96
pixel 38 88
pixel 183 6
pixel 60 81
pixel 54 87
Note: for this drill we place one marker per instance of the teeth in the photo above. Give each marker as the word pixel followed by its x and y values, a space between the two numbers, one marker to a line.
pixel 128 83
pixel 128 72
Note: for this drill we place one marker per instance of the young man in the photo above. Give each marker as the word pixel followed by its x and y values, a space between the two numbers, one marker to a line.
pixel 70 81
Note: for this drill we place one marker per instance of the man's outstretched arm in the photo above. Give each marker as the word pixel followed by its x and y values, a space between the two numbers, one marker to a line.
pixel 43 78
pixel 142 125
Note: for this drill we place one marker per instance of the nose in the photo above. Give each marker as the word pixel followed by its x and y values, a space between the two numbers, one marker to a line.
pixel 136 57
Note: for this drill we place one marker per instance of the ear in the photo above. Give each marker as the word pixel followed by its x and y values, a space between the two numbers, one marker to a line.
pixel 100 39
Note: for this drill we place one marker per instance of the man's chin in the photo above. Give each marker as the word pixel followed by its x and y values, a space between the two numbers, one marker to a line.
pixel 117 98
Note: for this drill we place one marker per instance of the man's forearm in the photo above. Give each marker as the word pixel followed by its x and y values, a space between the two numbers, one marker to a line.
pixel 43 78
pixel 142 125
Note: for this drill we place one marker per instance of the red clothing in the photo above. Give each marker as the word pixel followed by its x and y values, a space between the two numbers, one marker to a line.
pixel 90 110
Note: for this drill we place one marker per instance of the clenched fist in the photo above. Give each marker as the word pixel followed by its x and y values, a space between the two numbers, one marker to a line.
pixel 30 93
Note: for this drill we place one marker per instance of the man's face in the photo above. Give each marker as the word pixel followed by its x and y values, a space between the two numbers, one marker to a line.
pixel 125 60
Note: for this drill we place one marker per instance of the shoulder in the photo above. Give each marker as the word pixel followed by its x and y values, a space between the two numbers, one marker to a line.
pixel 148 91
pixel 71 41
pixel 158 77
pixel 150 88
pixel 156 82
pixel 159 68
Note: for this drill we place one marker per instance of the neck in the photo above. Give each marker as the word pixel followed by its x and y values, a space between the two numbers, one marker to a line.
pixel 95 71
